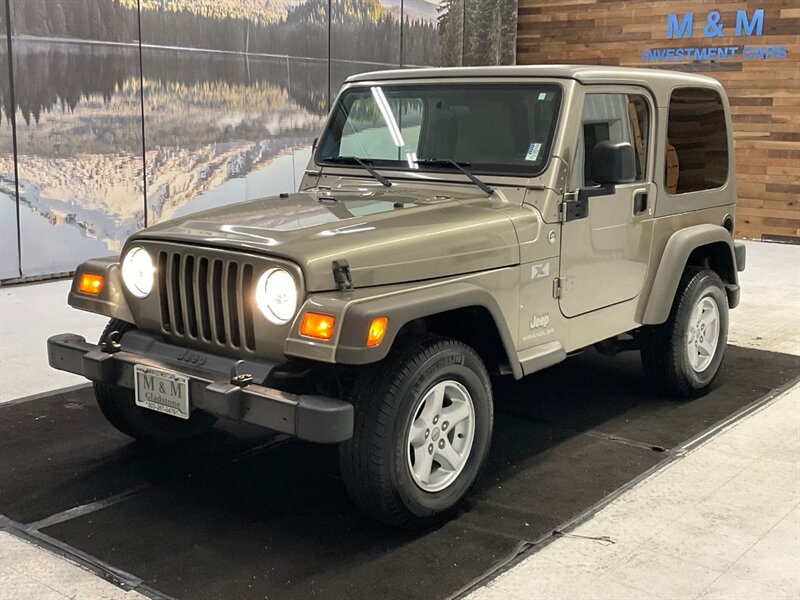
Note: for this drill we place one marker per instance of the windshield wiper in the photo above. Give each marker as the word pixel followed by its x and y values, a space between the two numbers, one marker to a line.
pixel 361 162
pixel 449 162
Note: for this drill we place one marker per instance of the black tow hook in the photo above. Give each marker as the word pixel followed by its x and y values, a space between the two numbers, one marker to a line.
pixel 240 379
pixel 111 345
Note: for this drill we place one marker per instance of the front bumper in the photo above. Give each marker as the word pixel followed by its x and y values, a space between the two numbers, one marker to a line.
pixel 313 418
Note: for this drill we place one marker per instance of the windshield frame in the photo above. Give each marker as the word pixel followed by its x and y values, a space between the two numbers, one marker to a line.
pixel 402 171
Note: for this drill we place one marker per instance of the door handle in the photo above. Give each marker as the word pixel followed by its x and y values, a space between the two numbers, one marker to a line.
pixel 639 202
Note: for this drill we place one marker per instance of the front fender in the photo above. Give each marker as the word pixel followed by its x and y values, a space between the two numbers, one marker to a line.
pixel 111 300
pixel 673 262
pixel 354 316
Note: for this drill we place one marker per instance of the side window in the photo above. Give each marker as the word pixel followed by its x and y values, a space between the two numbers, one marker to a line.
pixel 697 141
pixel 615 118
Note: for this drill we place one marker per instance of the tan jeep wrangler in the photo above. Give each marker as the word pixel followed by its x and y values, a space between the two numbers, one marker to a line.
pixel 453 224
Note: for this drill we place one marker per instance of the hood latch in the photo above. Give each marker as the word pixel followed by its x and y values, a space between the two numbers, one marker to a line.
pixel 341 274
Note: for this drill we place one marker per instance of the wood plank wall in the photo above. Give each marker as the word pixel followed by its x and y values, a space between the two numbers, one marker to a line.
pixel 764 94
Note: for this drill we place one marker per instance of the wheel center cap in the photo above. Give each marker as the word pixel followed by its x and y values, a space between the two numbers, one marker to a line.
pixel 435 434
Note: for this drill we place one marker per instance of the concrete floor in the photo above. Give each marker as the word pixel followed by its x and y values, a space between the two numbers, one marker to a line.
pixel 721 522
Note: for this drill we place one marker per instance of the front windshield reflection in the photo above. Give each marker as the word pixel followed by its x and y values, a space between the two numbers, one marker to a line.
pixel 505 128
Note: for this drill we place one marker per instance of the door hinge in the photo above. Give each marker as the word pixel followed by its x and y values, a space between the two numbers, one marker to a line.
pixel 564 207
pixel 557 287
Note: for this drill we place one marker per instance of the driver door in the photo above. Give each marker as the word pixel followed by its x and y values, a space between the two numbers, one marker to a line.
pixel 604 254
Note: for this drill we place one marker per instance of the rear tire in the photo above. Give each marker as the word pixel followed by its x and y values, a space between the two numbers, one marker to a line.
pixel 119 408
pixel 683 355
pixel 423 428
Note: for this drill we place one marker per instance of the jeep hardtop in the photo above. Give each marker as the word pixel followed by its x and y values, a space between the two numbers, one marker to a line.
pixel 452 225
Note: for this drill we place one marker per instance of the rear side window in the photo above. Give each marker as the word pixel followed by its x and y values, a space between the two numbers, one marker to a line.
pixel 697 142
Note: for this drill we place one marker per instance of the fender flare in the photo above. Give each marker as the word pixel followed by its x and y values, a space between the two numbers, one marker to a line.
pixel 673 262
pixel 401 308
pixel 111 301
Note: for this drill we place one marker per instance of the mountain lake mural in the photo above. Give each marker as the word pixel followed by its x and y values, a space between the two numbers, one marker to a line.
pixel 127 113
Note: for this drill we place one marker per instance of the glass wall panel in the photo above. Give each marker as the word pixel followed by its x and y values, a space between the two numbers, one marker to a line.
pixel 9 256
pixel 365 36
pixel 490 32
pixel 225 106
pixel 233 95
pixel 451 33
pixel 76 74
pixel 433 32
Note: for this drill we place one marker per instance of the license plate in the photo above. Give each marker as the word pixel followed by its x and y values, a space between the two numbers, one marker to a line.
pixel 164 391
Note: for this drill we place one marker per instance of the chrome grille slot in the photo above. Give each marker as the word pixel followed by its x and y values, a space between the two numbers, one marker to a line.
pixel 206 299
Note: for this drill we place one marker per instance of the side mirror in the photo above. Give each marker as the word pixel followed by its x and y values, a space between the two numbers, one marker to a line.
pixel 613 163
pixel 314 145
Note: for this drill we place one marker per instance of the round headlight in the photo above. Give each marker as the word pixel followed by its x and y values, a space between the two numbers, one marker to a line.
pixel 276 296
pixel 138 272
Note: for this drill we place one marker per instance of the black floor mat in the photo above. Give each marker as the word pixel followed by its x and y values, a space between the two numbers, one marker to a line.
pixel 59 452
pixel 234 518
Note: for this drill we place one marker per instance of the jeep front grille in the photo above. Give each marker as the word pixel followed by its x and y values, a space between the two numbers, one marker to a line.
pixel 206 299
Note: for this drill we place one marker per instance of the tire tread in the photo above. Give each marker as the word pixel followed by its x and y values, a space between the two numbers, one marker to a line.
pixel 365 474
pixel 662 353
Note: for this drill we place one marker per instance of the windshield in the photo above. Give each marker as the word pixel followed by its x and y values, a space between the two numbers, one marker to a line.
pixel 492 128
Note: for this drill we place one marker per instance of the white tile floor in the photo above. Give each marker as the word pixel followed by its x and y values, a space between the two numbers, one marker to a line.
pixel 721 522
pixel 29 573
pixel 29 314
pixel 768 317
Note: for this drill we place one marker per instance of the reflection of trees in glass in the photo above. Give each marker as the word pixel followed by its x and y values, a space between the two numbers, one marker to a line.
pixel 490 34
pixel 106 20
pixel 257 11
pixel 301 78
pixel 5 89
pixel 62 76
pixel 451 32
pixel 363 30
pixel 420 43
pixel 477 32
pixel 215 112
pixel 370 31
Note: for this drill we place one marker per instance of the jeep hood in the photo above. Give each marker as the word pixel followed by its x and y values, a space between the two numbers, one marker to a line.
pixel 386 236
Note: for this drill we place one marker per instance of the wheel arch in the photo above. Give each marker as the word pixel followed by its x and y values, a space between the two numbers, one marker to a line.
pixel 707 245
pixel 473 325
pixel 461 311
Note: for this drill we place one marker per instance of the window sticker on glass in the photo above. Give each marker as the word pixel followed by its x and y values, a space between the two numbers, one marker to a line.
pixel 542 96
pixel 533 151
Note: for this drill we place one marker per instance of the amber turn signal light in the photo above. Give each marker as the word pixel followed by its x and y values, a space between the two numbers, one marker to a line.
pixel 317 325
pixel 91 283
pixel 377 329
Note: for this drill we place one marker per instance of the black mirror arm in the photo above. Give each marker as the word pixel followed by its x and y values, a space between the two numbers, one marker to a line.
pixel 605 189
pixel 578 207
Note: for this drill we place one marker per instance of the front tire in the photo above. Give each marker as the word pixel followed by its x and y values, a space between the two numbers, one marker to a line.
pixel 119 408
pixel 422 432
pixel 683 355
